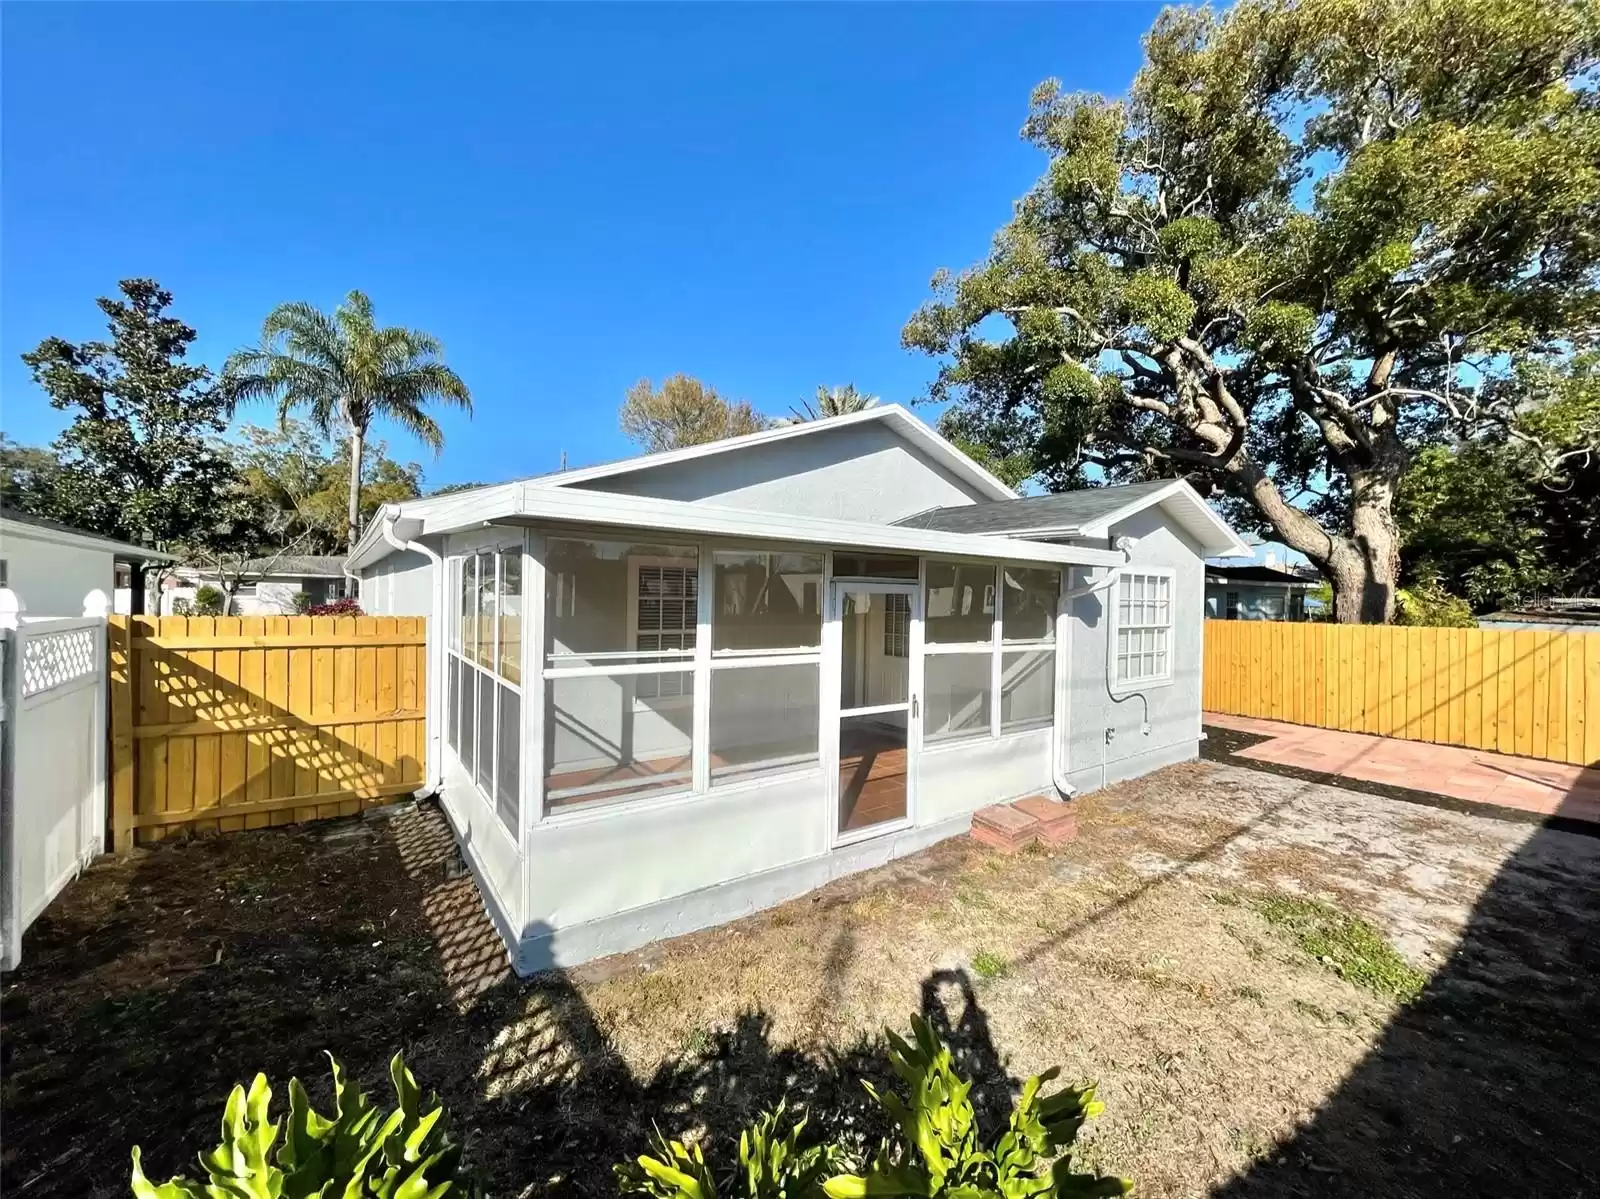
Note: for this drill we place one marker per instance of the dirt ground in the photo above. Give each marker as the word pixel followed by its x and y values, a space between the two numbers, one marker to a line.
pixel 1230 1061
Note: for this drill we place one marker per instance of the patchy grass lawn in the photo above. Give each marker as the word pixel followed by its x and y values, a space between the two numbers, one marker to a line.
pixel 1282 988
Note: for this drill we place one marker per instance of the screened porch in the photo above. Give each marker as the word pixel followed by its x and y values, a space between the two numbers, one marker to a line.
pixel 666 667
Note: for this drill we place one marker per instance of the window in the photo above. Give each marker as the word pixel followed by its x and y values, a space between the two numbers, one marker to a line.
pixel 1233 605
pixel 666 612
pixel 483 670
pixel 1144 626
pixel 897 627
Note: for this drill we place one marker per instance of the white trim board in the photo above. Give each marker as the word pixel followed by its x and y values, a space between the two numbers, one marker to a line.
pixel 526 502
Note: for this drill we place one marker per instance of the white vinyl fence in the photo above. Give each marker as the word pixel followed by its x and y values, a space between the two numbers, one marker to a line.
pixel 52 764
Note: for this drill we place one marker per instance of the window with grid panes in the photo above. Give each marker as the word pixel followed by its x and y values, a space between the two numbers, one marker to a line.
pixel 897 626
pixel 665 618
pixel 1144 627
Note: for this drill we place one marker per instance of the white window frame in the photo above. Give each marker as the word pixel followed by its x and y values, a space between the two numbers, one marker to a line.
pixel 1022 645
pixel 997 646
pixel 501 542
pixel 1119 685
pixel 635 565
pixel 699 662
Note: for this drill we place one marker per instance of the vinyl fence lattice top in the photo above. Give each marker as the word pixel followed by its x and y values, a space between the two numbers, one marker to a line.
pixel 55 659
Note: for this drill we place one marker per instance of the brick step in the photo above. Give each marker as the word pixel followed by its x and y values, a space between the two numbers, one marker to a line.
pixel 1014 826
pixel 1004 828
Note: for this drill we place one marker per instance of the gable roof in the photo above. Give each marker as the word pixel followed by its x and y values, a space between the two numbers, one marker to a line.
pixel 1089 512
pixel 892 415
pixel 314 566
pixel 23 524
pixel 1259 574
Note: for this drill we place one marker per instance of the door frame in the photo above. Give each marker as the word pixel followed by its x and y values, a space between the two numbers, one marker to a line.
pixel 832 710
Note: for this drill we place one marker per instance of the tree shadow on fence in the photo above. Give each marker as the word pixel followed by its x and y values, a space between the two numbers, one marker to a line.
pixel 161 980
pixel 1486 1083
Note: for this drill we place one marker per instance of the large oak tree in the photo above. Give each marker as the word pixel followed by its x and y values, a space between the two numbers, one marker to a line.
pixel 1315 238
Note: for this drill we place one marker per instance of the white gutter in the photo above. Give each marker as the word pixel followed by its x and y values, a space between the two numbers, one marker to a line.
pixel 1059 729
pixel 433 722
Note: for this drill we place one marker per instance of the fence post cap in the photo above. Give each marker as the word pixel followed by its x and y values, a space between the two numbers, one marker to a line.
pixel 96 603
pixel 11 607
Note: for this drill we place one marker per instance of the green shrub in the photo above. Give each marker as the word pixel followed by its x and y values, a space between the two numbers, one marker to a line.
pixel 208 601
pixel 1428 604
pixel 301 601
pixel 360 1152
pixel 772 1165
pixel 939 1153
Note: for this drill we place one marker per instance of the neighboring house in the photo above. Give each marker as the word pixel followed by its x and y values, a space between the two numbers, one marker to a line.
pixel 670 691
pixel 50 567
pixel 1267 592
pixel 1579 615
pixel 271 584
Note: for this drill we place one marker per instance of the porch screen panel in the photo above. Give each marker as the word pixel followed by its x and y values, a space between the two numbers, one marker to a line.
pixel 960 694
pixel 764 720
pixel 621 626
pixel 958 603
pixel 604 742
pixel 483 672
pixel 766 601
pixel 1027 690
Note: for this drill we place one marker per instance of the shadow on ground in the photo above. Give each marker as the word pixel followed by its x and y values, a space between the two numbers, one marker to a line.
pixel 157 982
pixel 1486 1083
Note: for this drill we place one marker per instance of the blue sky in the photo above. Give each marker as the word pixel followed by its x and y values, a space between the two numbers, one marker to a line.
pixel 570 197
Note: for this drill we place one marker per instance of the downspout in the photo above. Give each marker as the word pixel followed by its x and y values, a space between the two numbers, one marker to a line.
pixel 1059 731
pixel 433 779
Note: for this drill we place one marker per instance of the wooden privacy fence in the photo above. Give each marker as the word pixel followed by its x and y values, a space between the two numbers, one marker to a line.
pixel 227 723
pixel 1526 692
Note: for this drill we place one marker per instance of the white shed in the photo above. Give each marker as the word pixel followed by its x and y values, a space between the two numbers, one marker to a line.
pixel 51 567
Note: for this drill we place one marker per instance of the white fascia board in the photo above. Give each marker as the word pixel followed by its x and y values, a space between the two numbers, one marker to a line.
pixel 908 425
pixel 608 508
pixel 1217 539
pixel 537 502
pixel 24 531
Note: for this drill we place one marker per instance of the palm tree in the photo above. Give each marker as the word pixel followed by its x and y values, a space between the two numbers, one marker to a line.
pixel 346 372
pixel 831 401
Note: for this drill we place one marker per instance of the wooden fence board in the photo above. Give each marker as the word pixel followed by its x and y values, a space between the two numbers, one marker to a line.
pixel 1534 693
pixel 227 723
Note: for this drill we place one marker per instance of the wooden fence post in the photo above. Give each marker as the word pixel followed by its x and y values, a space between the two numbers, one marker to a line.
pixel 121 687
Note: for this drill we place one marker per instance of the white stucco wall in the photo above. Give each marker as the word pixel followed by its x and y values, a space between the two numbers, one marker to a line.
pixel 399 585
pixel 1106 740
pixel 862 472
pixel 51 578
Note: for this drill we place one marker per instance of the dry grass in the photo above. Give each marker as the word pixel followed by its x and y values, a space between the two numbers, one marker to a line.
pixel 1138 956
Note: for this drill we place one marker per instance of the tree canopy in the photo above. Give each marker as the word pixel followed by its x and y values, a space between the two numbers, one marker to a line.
pixel 830 402
pixel 137 461
pixel 346 371
pixel 682 412
pixel 1315 239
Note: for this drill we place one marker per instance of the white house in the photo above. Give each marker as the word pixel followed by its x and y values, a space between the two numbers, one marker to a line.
pixel 1256 592
pixel 52 567
pixel 271 584
pixel 669 691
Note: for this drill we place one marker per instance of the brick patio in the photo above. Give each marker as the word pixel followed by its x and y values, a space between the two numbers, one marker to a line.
pixel 1527 784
